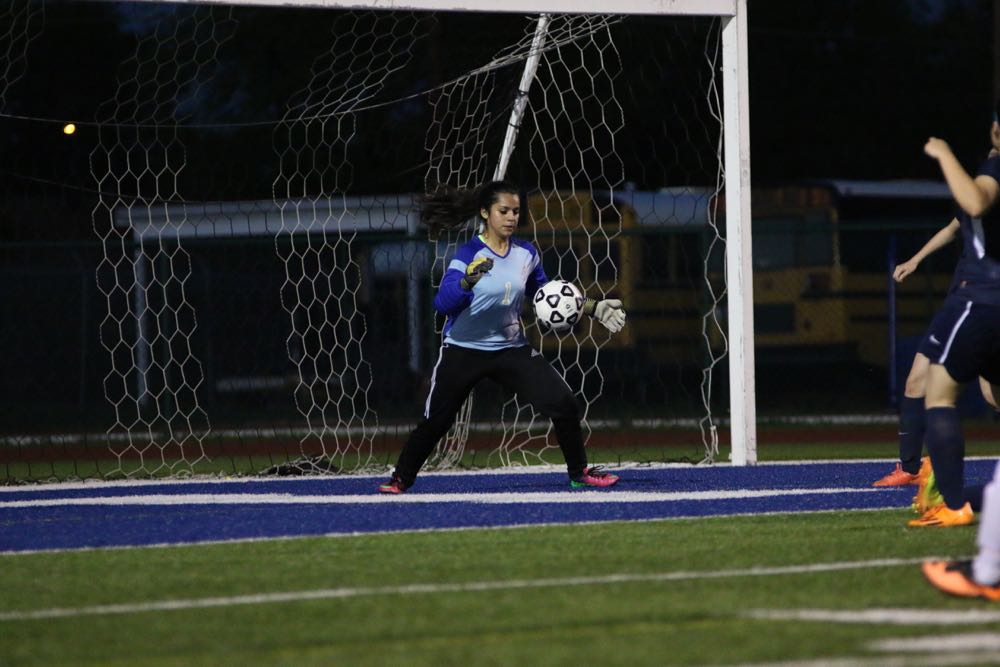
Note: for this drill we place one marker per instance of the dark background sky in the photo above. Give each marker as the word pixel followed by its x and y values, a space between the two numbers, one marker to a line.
pixel 852 88
pixel 838 88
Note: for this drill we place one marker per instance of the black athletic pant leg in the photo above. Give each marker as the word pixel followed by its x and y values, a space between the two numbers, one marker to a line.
pixel 456 373
pixel 526 372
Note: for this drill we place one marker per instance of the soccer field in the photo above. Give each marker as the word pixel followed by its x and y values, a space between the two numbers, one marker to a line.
pixel 746 572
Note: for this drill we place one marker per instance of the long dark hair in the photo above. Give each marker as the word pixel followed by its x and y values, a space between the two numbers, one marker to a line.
pixel 449 208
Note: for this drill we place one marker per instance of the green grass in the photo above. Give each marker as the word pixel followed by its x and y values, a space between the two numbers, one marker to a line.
pixel 693 621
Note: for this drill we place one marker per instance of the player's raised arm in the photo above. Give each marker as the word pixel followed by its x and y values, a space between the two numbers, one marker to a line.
pixel 974 195
pixel 944 236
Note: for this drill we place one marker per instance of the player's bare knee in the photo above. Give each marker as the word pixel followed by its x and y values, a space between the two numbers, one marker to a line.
pixel 916 385
pixel 942 389
pixel 990 392
pixel 916 379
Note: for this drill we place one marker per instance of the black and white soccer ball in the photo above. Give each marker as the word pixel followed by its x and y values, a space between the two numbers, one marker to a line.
pixel 558 306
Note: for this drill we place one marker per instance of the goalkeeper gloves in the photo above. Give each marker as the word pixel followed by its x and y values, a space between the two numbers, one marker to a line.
pixel 608 312
pixel 476 269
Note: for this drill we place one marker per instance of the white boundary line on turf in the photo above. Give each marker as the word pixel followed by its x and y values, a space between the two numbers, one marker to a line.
pixel 931 660
pixel 503 498
pixel 512 470
pixel 968 641
pixel 419 531
pixel 434 588
pixel 881 616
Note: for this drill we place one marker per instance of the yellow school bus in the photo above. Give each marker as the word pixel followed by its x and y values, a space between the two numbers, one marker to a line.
pixel 822 257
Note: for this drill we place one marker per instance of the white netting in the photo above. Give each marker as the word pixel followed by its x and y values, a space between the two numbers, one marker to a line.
pixel 155 376
pixel 20 23
pixel 263 290
pixel 570 117
pixel 465 152
pixel 574 119
pixel 322 275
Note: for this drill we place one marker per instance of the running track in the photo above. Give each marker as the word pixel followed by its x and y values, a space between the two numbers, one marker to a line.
pixel 89 515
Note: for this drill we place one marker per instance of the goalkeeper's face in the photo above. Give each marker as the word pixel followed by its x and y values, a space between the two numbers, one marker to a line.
pixel 501 219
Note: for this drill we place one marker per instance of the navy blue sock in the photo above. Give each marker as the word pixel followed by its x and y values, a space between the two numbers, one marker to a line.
pixel 974 496
pixel 946 447
pixel 911 433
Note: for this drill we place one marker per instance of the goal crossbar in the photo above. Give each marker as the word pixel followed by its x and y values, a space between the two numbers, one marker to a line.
pixel 673 7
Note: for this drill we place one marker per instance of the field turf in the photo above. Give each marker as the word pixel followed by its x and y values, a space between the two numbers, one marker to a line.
pixel 795 587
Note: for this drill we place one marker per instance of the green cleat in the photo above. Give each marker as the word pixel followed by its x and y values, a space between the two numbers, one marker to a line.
pixel 928 496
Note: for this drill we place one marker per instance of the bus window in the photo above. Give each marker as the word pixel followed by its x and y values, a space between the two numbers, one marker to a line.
pixel 773 243
pixel 671 259
pixel 782 243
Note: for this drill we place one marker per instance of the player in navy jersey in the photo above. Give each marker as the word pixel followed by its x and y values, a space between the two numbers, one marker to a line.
pixel 911 413
pixel 966 342
pixel 911 409
pixel 481 295
pixel 975 346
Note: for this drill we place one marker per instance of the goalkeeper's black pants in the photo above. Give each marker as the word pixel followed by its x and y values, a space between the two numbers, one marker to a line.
pixel 522 370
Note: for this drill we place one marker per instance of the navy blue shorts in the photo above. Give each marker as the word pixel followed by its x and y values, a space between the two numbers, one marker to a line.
pixel 942 324
pixel 971 346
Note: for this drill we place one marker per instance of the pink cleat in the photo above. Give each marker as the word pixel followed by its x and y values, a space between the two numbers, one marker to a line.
pixel 593 476
pixel 394 485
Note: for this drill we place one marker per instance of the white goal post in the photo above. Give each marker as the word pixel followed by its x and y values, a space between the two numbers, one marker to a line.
pixel 736 164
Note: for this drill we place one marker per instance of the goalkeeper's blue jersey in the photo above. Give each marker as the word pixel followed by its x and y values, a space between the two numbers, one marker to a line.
pixel 489 316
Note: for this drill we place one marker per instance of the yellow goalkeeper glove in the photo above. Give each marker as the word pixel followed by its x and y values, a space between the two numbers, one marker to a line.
pixel 476 269
pixel 608 312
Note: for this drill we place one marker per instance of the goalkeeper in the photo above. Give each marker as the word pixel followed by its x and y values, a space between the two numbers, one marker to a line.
pixel 481 295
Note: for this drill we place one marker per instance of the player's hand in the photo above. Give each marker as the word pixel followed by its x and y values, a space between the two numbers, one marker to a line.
pixel 937 148
pixel 608 312
pixel 474 272
pixel 903 270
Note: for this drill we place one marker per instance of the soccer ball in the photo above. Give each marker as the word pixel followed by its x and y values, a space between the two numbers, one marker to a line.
pixel 558 305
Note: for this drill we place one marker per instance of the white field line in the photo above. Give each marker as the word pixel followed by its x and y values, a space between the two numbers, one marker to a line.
pixel 334 479
pixel 969 641
pixel 933 660
pixel 885 616
pixel 562 497
pixel 436 588
pixel 975 648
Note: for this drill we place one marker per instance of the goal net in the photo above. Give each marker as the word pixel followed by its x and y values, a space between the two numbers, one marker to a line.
pixel 255 289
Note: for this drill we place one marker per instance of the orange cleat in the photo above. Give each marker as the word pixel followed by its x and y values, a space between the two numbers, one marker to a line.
pixel 898 477
pixel 943 516
pixel 955 578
